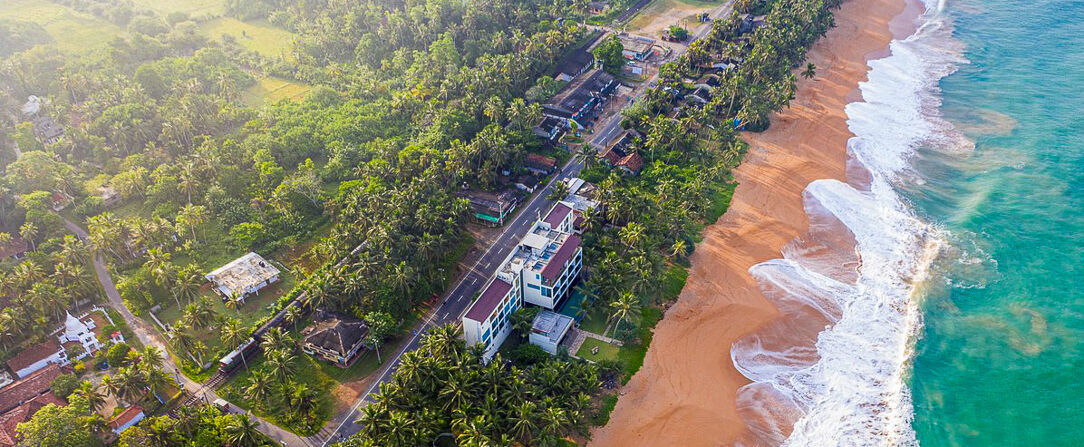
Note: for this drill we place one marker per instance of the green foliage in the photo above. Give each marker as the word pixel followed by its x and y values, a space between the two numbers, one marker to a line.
pixel 65 384
pixel 201 425
pixel 248 234
pixel 608 53
pixel 444 387
pixel 523 319
pixel 18 36
pixel 602 415
pixel 678 32
pixel 118 354
pixel 528 354
pixel 53 426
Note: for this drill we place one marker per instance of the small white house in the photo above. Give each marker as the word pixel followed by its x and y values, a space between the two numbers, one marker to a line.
pixel 37 357
pixel 548 329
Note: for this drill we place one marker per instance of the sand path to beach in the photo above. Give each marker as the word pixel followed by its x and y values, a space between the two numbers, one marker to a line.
pixel 685 394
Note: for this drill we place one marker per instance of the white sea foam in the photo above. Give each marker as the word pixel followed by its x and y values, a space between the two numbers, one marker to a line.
pixel 852 391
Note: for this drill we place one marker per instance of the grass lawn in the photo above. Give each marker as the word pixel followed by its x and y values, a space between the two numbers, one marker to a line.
pixel 259 36
pixel 595 321
pixel 606 351
pixel 71 30
pixel 270 90
pixel 194 8
pixel 632 355
pixel 307 371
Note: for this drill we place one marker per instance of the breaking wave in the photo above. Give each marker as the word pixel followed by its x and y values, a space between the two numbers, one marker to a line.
pixel 833 369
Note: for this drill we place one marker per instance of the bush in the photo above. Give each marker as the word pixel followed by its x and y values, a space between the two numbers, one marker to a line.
pixel 65 384
pixel 528 354
pixel 118 354
pixel 80 368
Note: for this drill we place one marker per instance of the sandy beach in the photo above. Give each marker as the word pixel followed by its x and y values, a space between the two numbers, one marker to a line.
pixel 685 394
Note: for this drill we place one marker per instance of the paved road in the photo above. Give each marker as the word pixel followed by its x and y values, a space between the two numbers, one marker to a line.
pixel 456 302
pixel 149 337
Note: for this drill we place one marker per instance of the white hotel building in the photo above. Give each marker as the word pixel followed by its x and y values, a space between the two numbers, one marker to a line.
pixel 539 271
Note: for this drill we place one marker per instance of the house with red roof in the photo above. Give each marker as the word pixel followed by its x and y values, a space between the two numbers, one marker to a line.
pixel 79 337
pixel 621 153
pixel 36 357
pixel 9 437
pixel 126 419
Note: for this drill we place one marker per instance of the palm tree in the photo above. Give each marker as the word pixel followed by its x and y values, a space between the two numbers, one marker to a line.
pixel 188 282
pixel 559 192
pixel 151 358
pixel 259 387
pixel 678 249
pixel 587 154
pixel 293 315
pixel 243 431
pixel 29 232
pixel 281 364
pixel 276 339
pixel 235 302
pixel 810 71
pixel 89 390
pixel 624 307
pixel 524 422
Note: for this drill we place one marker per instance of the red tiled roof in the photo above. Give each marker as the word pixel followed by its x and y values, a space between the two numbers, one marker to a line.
pixel 557 214
pixel 29 388
pixel 489 300
pixel 125 417
pixel 632 161
pixel 17 246
pixel 8 421
pixel 33 354
pixel 541 161
pixel 611 156
pixel 556 264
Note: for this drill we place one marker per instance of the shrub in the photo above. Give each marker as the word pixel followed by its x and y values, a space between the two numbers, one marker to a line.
pixel 528 354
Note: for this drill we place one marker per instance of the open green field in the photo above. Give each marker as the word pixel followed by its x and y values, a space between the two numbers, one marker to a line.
pixel 72 31
pixel 270 90
pixel 194 8
pixel 258 36
pixel 606 351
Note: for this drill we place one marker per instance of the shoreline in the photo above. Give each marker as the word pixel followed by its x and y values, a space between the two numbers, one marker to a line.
pixel 686 392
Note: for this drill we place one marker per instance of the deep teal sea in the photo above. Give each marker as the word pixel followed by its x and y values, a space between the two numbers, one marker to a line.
pixel 1000 360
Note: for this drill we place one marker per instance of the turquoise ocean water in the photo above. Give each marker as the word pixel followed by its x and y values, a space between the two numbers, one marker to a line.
pixel 1000 358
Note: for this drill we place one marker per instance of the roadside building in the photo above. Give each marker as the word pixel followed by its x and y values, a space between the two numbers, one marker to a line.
pixel 335 338
pixel 579 101
pixel 61 200
pixel 548 329
pixel 636 47
pixel 488 320
pixel 622 154
pixel 597 7
pixel 243 276
pixel 750 23
pixel 577 61
pixel 547 260
pixel 492 209
pixel 540 164
pixel 126 419
pixel 550 129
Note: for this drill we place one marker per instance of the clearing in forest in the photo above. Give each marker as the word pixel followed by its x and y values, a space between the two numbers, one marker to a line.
pixel 660 14
pixel 269 90
pixel 71 30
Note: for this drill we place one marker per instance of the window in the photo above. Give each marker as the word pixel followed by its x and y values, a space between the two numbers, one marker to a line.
pixel 546 292
pixel 533 286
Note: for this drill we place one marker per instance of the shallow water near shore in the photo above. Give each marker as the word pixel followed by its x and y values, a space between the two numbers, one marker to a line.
pixel 1000 358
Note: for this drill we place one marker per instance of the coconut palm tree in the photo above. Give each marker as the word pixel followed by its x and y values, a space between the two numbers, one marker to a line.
pixel 259 387
pixel 243 431
pixel 810 71
pixel 624 307
pixel 281 364
pixel 30 233
pixel 89 390
pixel 188 282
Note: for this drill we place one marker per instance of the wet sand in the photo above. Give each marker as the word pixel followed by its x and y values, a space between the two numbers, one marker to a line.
pixel 685 394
